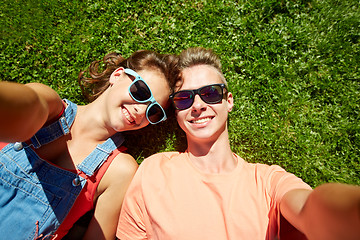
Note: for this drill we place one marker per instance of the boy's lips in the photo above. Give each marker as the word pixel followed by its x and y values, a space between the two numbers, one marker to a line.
pixel 201 120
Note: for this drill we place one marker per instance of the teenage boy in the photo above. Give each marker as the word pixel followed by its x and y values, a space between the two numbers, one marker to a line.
pixel 208 192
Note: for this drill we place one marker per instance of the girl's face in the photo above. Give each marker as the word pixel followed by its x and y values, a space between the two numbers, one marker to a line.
pixel 124 112
pixel 203 121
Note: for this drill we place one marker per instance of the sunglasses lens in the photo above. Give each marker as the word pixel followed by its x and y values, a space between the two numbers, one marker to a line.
pixel 211 94
pixel 155 113
pixel 140 91
pixel 183 99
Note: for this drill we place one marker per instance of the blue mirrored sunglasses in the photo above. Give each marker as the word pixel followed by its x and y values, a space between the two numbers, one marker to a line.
pixel 140 92
pixel 211 94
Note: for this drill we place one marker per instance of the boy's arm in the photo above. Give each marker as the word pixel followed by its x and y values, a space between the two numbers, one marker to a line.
pixel 330 211
pixel 25 108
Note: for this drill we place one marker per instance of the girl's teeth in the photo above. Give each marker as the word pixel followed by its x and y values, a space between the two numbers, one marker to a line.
pixel 127 115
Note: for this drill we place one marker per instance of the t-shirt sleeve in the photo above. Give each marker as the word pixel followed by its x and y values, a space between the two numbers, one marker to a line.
pixel 279 182
pixel 131 225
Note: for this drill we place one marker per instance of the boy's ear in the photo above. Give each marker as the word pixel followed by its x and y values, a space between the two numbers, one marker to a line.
pixel 116 75
pixel 230 101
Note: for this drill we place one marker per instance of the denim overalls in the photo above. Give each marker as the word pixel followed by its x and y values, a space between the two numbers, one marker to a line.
pixel 36 196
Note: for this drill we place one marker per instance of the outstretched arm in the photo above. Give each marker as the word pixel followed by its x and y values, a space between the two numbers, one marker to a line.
pixel 331 211
pixel 25 108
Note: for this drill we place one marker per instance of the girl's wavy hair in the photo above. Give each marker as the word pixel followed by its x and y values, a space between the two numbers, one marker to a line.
pixel 93 81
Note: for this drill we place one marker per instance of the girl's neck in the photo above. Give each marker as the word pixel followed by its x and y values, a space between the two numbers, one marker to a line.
pixel 89 123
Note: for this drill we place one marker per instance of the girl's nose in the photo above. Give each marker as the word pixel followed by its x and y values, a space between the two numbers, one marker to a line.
pixel 140 110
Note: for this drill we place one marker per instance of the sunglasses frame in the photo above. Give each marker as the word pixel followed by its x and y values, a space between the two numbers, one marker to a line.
pixel 151 99
pixel 197 91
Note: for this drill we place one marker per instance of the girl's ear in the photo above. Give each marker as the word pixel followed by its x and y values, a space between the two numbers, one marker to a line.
pixel 230 101
pixel 116 75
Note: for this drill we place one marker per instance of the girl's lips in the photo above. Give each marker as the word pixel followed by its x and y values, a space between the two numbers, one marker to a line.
pixel 128 116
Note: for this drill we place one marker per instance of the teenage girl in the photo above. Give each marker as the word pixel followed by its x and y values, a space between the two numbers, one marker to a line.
pixel 59 160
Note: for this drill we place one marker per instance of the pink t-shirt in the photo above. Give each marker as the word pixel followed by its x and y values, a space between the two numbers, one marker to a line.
pixel 170 199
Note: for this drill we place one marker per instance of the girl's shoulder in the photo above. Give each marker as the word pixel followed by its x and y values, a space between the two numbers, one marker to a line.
pixel 120 171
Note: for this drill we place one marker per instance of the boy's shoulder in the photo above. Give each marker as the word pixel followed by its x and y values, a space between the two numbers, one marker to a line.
pixel 160 157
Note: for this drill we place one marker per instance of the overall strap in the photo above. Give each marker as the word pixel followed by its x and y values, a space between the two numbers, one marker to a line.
pixel 97 157
pixel 85 201
pixel 57 129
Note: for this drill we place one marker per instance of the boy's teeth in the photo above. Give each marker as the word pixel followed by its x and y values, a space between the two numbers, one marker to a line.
pixel 202 120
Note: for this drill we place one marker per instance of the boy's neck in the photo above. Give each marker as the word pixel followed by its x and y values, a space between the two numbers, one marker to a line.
pixel 212 156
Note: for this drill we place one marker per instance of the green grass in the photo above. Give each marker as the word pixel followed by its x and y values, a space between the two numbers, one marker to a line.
pixel 293 67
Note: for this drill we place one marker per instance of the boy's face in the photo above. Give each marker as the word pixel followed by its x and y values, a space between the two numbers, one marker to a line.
pixel 203 121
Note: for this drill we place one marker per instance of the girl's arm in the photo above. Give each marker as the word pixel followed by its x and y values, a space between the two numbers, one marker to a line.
pixel 24 109
pixel 331 211
pixel 113 186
